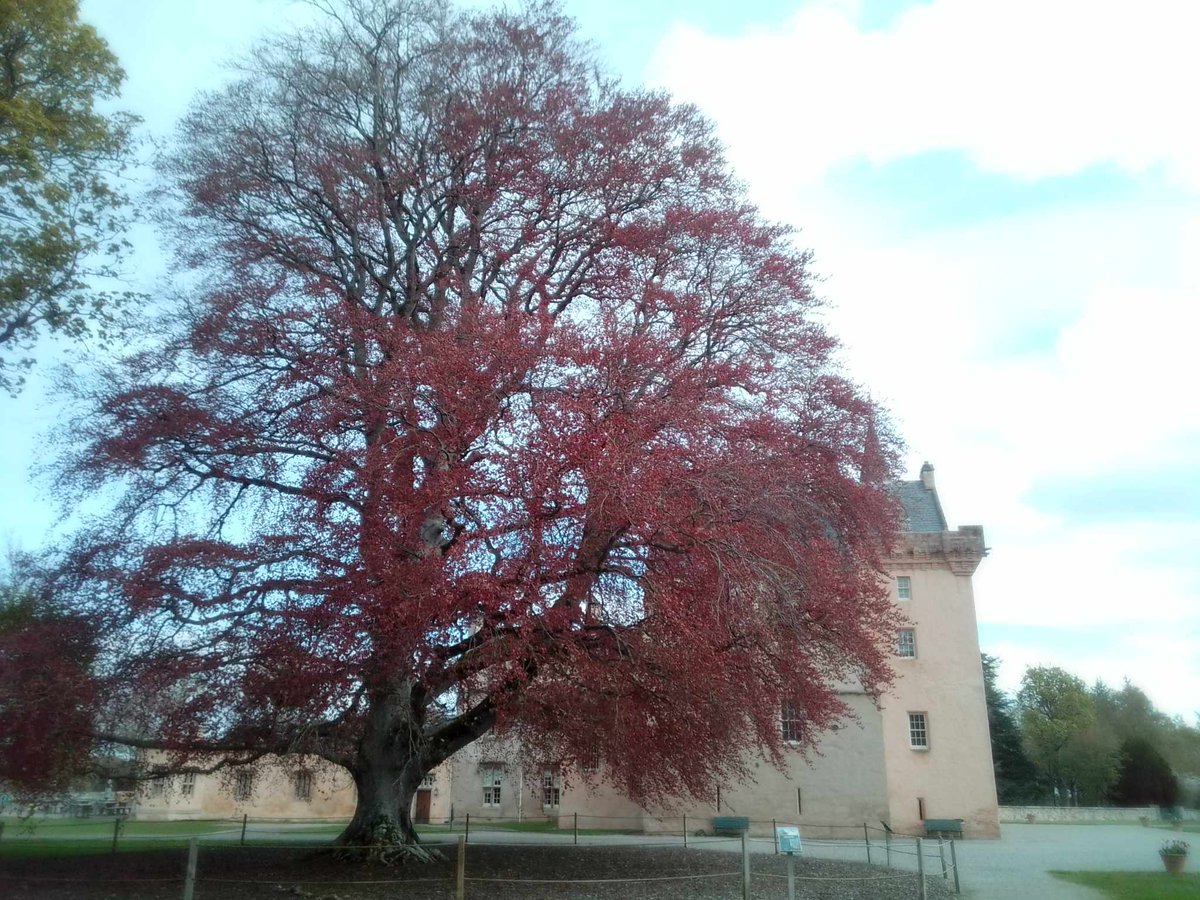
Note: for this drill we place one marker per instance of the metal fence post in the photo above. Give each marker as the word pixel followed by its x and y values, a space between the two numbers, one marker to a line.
pixel 467 828
pixel 576 829
pixel 942 855
pixel 954 863
pixel 746 864
pixel 921 872
pixel 460 874
pixel 116 832
pixel 867 841
pixel 189 878
pixel 685 832
pixel 245 817
pixel 887 843
pixel 775 835
pixel 1 829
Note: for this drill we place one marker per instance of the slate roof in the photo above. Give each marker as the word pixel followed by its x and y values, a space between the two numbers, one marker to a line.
pixel 922 511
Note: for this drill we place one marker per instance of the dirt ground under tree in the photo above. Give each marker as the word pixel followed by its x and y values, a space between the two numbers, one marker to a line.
pixel 226 873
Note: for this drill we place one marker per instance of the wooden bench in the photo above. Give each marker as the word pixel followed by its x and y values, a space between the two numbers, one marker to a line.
pixel 734 825
pixel 944 827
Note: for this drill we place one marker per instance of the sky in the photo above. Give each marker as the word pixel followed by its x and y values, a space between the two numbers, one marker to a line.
pixel 1003 200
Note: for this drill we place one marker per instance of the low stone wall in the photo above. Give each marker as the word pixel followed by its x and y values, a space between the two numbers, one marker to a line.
pixel 1087 814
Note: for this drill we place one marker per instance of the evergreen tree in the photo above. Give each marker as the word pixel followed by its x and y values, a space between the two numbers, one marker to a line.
pixel 1144 777
pixel 1016 776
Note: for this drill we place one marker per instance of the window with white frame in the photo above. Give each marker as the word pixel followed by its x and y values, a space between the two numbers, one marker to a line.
pixel 493 779
pixel 243 787
pixel 188 788
pixel 158 786
pixel 427 781
pixel 551 789
pixel 791 723
pixel 302 785
pixel 904 587
pixel 906 643
pixel 918 731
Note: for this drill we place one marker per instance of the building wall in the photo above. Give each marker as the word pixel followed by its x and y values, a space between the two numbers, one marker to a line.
pixel 843 784
pixel 273 793
pixel 954 776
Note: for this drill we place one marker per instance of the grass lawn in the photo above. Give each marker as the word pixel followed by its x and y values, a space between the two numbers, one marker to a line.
pixel 1137 885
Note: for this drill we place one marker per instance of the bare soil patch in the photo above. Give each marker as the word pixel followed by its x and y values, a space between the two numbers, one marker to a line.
pixel 495 873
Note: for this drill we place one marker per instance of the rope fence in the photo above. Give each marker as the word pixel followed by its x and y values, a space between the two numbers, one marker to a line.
pixel 887 850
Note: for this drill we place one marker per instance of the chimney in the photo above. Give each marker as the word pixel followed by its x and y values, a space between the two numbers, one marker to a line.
pixel 927 476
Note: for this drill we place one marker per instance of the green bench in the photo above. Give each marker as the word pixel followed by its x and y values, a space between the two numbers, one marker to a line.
pixel 944 827
pixel 733 825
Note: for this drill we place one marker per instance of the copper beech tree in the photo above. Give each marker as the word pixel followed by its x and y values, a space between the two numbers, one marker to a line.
pixel 491 405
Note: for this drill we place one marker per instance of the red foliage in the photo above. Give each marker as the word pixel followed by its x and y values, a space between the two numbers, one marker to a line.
pixel 497 405
pixel 46 696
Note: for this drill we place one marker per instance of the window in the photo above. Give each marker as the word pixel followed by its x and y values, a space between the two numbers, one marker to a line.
pixel 792 724
pixel 906 643
pixel 158 786
pixel 904 587
pixel 189 784
pixel 244 786
pixel 493 778
pixel 918 731
pixel 427 781
pixel 590 762
pixel 303 785
pixel 551 789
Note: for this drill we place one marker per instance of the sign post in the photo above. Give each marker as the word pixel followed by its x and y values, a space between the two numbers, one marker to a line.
pixel 787 838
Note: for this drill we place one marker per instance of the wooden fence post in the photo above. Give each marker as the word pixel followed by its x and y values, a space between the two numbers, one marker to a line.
pixel 245 817
pixel 116 832
pixel 954 863
pixel 189 878
pixel 921 872
pixel 746 864
pixel 460 875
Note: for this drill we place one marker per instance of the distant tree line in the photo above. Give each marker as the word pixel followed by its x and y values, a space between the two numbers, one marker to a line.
pixel 1059 742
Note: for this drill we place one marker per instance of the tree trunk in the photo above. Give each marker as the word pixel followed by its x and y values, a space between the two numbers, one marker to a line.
pixel 387 770
pixel 382 825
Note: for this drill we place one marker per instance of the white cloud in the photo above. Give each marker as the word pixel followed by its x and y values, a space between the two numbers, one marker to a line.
pixel 1019 350
pixel 1025 87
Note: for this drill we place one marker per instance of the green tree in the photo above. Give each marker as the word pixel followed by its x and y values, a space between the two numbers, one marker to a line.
pixel 1075 754
pixel 61 216
pixel 1016 775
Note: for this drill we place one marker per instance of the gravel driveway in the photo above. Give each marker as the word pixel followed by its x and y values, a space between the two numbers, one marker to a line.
pixel 1016 867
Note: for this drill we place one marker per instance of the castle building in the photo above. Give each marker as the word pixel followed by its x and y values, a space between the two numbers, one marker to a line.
pixel 922 752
